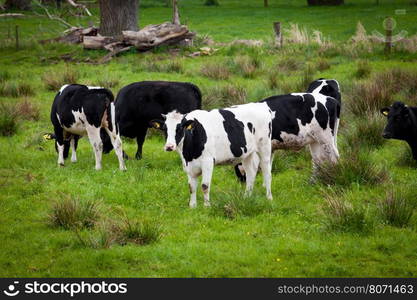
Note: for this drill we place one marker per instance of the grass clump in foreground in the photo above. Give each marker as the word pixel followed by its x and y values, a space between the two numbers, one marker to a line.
pixel 339 214
pixel 355 168
pixel 122 232
pixel 9 121
pixel 70 213
pixel 234 204
pixel 397 207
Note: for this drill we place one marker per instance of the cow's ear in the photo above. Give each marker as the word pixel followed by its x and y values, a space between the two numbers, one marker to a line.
pixel 385 111
pixel 189 124
pixel 157 124
pixel 49 136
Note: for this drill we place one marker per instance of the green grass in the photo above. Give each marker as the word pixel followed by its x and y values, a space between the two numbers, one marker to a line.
pixel 237 237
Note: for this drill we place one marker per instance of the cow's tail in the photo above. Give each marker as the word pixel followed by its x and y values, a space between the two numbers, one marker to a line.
pixel 336 121
pixel 197 94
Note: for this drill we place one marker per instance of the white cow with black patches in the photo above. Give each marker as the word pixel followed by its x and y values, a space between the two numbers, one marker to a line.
pixel 221 136
pixel 306 119
pixel 80 110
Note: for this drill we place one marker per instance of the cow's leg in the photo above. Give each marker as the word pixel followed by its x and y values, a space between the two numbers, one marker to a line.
pixel 192 183
pixel 59 143
pixel 117 145
pixel 74 144
pixel 250 166
pixel 207 172
pixel 140 139
pixel 266 166
pixel 96 142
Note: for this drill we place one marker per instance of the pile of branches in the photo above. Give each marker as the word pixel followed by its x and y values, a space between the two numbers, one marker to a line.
pixel 145 39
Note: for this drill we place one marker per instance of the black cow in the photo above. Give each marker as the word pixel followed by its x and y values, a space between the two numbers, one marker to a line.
pixel 80 110
pixel 402 124
pixel 140 102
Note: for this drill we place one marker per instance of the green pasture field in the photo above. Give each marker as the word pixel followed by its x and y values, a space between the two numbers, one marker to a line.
pixel 295 235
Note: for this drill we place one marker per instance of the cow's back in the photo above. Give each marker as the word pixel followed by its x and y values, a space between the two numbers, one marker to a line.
pixel 140 102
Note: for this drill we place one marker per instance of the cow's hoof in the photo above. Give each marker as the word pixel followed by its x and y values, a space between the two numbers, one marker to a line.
pixel 193 205
pixel 73 161
pixel 207 204
pixel 61 165
pixel 138 156
pixel 123 168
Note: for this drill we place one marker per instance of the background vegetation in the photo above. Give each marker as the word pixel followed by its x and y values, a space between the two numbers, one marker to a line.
pixel 356 220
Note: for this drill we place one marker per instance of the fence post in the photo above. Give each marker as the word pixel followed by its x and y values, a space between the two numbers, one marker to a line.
pixel 278 34
pixel 17 37
pixel 388 34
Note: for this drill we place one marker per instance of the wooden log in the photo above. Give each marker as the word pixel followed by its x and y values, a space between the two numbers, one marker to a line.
pixel 155 35
pixel 389 25
pixel 96 42
pixel 11 15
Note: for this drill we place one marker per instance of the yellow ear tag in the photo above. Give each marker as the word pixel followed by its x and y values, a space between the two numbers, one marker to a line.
pixel 385 113
pixel 157 125
pixel 189 127
pixel 47 137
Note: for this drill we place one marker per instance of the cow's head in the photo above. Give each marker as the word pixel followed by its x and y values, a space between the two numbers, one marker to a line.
pixel 401 121
pixel 327 87
pixel 173 127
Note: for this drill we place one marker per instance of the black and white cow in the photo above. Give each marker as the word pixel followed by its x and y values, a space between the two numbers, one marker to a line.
pixel 205 138
pixel 80 110
pixel 303 119
pixel 402 124
pixel 140 102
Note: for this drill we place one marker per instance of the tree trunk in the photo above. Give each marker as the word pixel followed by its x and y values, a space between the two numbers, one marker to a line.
pixel 118 15
pixel 325 2
pixel 17 4
pixel 175 13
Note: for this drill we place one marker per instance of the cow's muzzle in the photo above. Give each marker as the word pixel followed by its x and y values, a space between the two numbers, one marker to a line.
pixel 169 147
pixel 386 135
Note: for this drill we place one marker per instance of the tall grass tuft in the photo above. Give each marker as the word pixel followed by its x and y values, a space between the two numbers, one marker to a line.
pixel 70 213
pixel 26 110
pixel 216 71
pixel 381 90
pixel 363 69
pixel 54 80
pixel 289 64
pixel 108 81
pixel 322 64
pixel 355 168
pixel 234 204
pixel 4 76
pixel 397 207
pixel 341 215
pixel 224 96
pixel 367 132
pixel 405 157
pixel 9 120
pixel 15 89
pixel 138 232
pixel 246 65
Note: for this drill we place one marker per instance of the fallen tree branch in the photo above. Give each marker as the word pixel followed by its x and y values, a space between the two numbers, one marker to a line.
pixel 52 17
pixel 11 15
pixel 110 55
pixel 82 6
